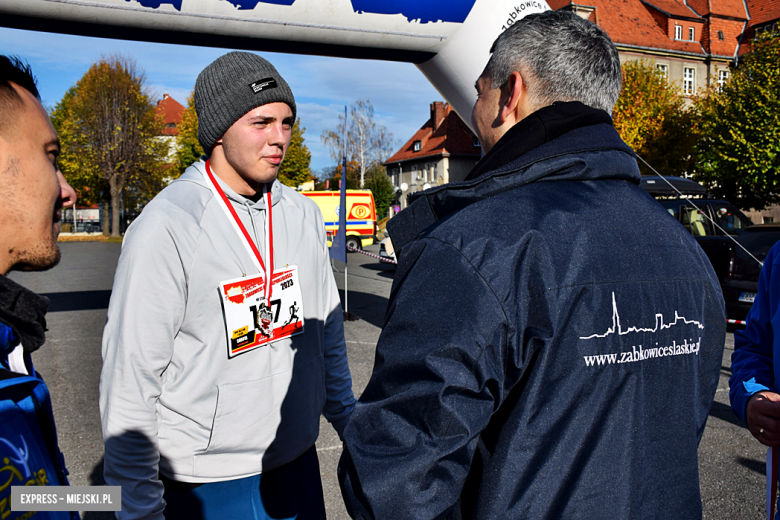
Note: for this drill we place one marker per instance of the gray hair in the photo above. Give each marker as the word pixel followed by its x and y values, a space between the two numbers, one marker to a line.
pixel 561 57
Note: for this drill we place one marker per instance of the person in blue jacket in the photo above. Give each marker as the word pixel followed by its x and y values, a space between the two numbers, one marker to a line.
pixel 553 339
pixel 756 361
pixel 32 194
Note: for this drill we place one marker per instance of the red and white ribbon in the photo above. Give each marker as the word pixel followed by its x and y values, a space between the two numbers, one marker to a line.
pixel 243 235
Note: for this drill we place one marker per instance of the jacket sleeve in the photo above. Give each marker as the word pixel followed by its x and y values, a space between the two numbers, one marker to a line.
pixel 145 313
pixel 339 399
pixel 752 363
pixel 437 380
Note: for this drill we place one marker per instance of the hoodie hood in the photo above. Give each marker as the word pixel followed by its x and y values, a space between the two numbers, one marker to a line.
pixel 197 172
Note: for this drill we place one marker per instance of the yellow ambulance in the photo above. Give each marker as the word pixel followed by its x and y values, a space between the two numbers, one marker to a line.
pixel 361 215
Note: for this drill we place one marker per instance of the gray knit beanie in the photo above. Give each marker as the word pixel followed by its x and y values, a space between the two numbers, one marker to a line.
pixel 230 87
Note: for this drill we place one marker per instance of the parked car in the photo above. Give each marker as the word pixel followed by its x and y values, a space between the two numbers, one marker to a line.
pixel 716 241
pixel 741 282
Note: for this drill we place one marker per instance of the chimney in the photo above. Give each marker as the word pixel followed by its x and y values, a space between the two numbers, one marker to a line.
pixel 438 110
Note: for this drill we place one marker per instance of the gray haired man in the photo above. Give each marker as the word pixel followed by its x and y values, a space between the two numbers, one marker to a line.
pixel 553 340
pixel 210 393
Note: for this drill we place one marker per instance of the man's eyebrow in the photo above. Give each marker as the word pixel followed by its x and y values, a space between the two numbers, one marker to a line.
pixel 476 86
pixel 263 117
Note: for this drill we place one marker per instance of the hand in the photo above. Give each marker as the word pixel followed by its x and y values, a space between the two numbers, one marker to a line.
pixel 763 417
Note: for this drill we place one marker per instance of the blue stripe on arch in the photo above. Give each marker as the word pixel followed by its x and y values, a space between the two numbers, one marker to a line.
pixel 428 11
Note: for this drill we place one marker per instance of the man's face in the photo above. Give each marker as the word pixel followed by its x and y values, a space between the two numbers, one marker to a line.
pixel 255 145
pixel 485 116
pixel 31 189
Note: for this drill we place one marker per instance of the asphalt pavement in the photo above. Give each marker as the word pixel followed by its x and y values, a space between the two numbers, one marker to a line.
pixel 731 462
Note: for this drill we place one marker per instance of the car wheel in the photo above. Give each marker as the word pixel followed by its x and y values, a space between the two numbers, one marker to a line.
pixel 353 243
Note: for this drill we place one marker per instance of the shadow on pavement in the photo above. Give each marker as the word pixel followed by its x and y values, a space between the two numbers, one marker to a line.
pixel 383 269
pixel 724 413
pixel 78 300
pixel 96 479
pixel 754 465
pixel 368 307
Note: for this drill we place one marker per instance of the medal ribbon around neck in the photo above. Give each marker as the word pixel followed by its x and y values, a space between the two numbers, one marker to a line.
pixel 243 235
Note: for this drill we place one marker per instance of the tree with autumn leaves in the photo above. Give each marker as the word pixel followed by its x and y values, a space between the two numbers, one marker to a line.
pixel 652 118
pixel 739 151
pixel 108 131
pixel 294 171
pixel 727 139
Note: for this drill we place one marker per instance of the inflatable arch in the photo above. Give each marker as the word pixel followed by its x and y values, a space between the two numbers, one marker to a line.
pixel 448 40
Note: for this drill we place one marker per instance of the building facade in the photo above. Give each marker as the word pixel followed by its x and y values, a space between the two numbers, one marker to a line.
pixel 692 42
pixel 171 112
pixel 443 150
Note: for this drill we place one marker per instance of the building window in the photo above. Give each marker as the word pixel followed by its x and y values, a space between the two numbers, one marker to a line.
pixel 664 70
pixel 720 35
pixel 433 173
pixel 769 220
pixel 688 80
pixel 691 33
pixel 416 146
pixel 678 32
pixel 475 143
pixel 723 77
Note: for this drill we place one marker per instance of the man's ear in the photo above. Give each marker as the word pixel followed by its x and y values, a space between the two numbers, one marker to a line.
pixel 512 93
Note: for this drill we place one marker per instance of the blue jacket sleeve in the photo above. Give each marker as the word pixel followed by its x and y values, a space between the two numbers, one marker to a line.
pixel 437 380
pixel 752 363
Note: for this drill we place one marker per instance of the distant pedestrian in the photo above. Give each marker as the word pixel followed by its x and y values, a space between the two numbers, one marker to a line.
pixel 553 340
pixel 32 194
pixel 211 405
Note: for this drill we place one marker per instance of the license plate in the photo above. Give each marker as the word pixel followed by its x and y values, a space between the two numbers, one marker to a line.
pixel 747 297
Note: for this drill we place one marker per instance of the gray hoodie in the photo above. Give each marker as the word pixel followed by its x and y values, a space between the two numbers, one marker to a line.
pixel 169 392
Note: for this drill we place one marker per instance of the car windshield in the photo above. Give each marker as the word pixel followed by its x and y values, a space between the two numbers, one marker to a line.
pixel 727 218
pixel 695 222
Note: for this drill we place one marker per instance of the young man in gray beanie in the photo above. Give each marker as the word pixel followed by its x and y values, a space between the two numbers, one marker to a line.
pixel 213 380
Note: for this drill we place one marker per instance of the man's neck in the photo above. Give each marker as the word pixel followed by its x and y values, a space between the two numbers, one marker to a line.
pixel 222 169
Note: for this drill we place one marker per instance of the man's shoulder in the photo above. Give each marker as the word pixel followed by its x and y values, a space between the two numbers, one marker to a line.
pixel 184 198
pixel 301 203
pixel 175 213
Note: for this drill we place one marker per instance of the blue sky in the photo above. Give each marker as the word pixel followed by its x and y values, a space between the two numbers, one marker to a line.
pixel 322 86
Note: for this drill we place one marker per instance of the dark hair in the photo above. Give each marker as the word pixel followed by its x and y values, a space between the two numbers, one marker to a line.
pixel 561 57
pixel 14 70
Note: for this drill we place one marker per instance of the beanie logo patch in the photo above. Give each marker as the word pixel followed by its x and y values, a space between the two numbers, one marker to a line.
pixel 263 84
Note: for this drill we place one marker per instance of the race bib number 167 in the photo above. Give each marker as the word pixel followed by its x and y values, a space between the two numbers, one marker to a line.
pixel 251 321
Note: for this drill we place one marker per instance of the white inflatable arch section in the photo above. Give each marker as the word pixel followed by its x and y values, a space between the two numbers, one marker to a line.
pixel 448 40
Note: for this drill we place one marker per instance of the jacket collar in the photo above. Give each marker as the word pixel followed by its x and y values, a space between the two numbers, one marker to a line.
pixel 565 131
pixel 542 126
pixel 25 312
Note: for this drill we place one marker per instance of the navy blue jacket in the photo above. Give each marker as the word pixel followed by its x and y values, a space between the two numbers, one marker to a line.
pixel 551 349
